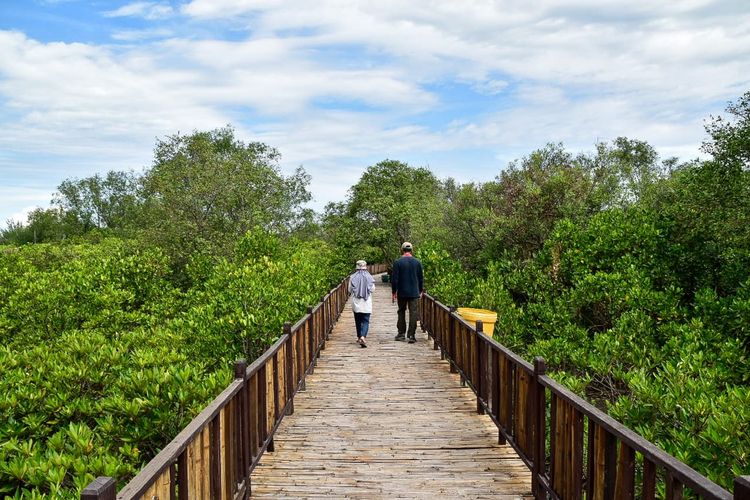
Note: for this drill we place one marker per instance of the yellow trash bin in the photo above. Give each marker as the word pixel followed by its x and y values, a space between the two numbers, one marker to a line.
pixel 487 317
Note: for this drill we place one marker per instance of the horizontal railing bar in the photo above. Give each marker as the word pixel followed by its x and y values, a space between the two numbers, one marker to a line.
pixel 169 454
pixel 301 322
pixel 686 474
pixel 679 470
pixel 241 490
pixel 508 437
pixel 494 343
pixel 267 441
pixel 263 359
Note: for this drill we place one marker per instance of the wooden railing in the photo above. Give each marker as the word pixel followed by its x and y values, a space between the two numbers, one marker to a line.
pixel 573 449
pixel 214 456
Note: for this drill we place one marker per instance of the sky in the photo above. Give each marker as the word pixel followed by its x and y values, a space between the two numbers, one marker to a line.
pixel 461 87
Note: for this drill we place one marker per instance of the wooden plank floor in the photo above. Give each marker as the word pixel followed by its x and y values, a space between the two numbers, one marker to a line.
pixel 388 421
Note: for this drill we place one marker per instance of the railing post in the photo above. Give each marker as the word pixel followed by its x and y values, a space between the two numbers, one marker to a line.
pixel 301 367
pixel 310 340
pixel 240 369
pixel 289 375
pixel 478 385
pixel 442 330
pixel 328 319
pixel 539 411
pixel 242 418
pixel 434 325
pixel 101 488
pixel 320 339
pixel 452 340
pixel 742 488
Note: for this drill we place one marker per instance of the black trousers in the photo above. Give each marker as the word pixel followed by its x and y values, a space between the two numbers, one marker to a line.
pixel 411 304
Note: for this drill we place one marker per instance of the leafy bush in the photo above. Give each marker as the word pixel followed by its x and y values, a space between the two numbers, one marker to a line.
pixel 602 303
pixel 105 361
pixel 448 281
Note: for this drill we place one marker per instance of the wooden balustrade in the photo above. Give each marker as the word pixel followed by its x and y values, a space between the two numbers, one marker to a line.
pixel 573 449
pixel 214 456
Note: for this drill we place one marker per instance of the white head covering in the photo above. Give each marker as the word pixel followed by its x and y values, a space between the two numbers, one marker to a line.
pixel 361 281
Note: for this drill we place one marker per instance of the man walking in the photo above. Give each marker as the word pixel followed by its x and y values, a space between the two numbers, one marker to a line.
pixel 407 285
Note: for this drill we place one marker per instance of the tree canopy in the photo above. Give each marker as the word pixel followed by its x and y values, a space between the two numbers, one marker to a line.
pixel 207 189
pixel 630 274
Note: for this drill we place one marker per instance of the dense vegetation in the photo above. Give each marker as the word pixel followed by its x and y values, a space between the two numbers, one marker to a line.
pixel 629 274
pixel 114 338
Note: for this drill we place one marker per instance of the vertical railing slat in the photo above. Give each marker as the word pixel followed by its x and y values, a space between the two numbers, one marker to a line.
pixel 625 483
pixel 215 454
pixel 540 424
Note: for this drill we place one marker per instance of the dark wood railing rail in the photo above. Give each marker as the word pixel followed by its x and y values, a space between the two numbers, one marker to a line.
pixel 573 449
pixel 214 456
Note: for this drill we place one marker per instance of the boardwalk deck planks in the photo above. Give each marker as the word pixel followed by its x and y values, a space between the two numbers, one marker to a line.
pixel 388 421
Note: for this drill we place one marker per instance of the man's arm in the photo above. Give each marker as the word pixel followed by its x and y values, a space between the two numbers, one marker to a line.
pixel 394 278
pixel 420 277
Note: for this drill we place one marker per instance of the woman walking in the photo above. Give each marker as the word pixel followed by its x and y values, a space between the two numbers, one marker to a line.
pixel 361 285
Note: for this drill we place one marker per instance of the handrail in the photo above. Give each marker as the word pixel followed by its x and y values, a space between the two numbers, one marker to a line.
pixel 214 456
pixel 570 446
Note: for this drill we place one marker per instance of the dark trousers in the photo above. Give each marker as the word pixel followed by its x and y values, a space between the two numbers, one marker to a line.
pixel 362 322
pixel 401 324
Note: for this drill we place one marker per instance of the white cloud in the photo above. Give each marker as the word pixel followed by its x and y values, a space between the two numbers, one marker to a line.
pixel 147 10
pixel 490 87
pixel 19 217
pixel 576 42
pixel 16 203
pixel 340 84
pixel 227 8
pixel 141 35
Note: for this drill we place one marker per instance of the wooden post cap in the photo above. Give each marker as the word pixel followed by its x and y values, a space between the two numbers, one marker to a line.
pixel 101 488
pixel 540 367
pixel 240 368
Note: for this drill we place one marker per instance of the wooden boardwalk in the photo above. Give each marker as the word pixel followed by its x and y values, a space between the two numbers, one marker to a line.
pixel 388 421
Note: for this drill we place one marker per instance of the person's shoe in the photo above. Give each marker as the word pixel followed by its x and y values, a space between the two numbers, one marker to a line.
pixel 400 337
pixel 362 342
pixel 412 340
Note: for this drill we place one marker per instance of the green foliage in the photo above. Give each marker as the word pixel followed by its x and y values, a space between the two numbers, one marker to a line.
pixel 111 201
pixel 202 193
pixel 205 190
pixel 343 231
pixel 704 209
pixel 631 281
pixel 449 283
pixel 393 203
pixel 85 405
pixel 243 303
pixel 730 136
pixel 602 303
pixel 42 225
pixel 515 214
pixel 80 206
pixel 105 361
pixel 51 290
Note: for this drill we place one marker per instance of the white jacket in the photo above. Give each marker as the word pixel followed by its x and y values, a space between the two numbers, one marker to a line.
pixel 362 305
